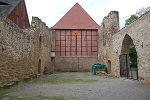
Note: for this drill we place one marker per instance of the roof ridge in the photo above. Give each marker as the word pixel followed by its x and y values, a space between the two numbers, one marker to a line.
pixel 66 13
pixel 88 14
pixel 71 20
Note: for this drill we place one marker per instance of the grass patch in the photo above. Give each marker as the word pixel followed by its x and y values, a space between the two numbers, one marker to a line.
pixel 133 69
pixel 3 92
pixel 39 97
pixel 63 80
pixel 59 98
pixel 50 98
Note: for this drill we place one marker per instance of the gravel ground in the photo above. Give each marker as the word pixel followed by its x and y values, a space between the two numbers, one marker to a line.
pixel 106 88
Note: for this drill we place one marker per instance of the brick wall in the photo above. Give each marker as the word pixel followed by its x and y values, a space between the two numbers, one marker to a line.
pixel 76 50
pixel 76 43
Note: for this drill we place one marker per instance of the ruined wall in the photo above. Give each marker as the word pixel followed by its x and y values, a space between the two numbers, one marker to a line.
pixel 17 52
pixel 43 36
pixel 139 32
pixel 53 49
pixel 76 64
pixel 20 51
pixel 109 27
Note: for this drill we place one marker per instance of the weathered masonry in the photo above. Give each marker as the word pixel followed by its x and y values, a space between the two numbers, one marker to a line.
pixel 114 45
pixel 24 53
pixel 74 43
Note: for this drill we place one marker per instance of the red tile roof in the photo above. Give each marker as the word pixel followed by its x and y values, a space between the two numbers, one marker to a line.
pixel 76 18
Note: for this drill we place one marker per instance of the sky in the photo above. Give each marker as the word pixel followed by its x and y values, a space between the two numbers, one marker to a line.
pixel 51 11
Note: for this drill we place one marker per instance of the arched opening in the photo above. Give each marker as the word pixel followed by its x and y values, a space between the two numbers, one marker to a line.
pixel 128 59
pixel 39 66
pixel 109 67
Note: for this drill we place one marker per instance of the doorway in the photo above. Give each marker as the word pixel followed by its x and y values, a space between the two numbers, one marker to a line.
pixel 109 67
pixel 128 59
pixel 39 66
pixel 124 65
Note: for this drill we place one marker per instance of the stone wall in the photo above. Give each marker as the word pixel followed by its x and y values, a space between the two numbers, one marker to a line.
pixel 109 27
pixel 76 64
pixel 43 36
pixel 20 51
pixel 138 31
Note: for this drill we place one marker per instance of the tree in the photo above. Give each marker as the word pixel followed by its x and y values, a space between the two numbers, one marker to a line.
pixel 139 13
pixel 142 11
pixel 131 19
pixel 132 52
pixel 133 55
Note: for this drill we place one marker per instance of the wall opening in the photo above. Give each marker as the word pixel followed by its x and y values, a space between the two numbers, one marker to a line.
pixel 128 59
pixel 53 63
pixel 39 66
pixel 40 39
pixel 109 67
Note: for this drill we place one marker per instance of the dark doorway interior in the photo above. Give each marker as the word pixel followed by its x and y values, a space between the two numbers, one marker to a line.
pixel 124 65
pixel 109 67
pixel 39 66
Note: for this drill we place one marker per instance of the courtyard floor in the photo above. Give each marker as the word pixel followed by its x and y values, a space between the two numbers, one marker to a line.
pixel 77 86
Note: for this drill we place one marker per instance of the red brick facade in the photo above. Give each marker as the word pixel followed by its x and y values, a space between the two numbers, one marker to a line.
pixel 76 43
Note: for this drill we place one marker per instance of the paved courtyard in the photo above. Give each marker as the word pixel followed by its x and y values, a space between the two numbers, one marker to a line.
pixel 79 86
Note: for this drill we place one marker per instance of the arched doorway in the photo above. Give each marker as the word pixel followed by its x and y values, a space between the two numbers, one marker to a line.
pixel 39 66
pixel 109 67
pixel 128 59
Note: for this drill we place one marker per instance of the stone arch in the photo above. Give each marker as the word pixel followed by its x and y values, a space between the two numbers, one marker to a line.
pixel 109 67
pixel 39 66
pixel 125 59
pixel 126 44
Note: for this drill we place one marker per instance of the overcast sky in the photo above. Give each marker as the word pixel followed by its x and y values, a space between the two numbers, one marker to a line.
pixel 51 11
